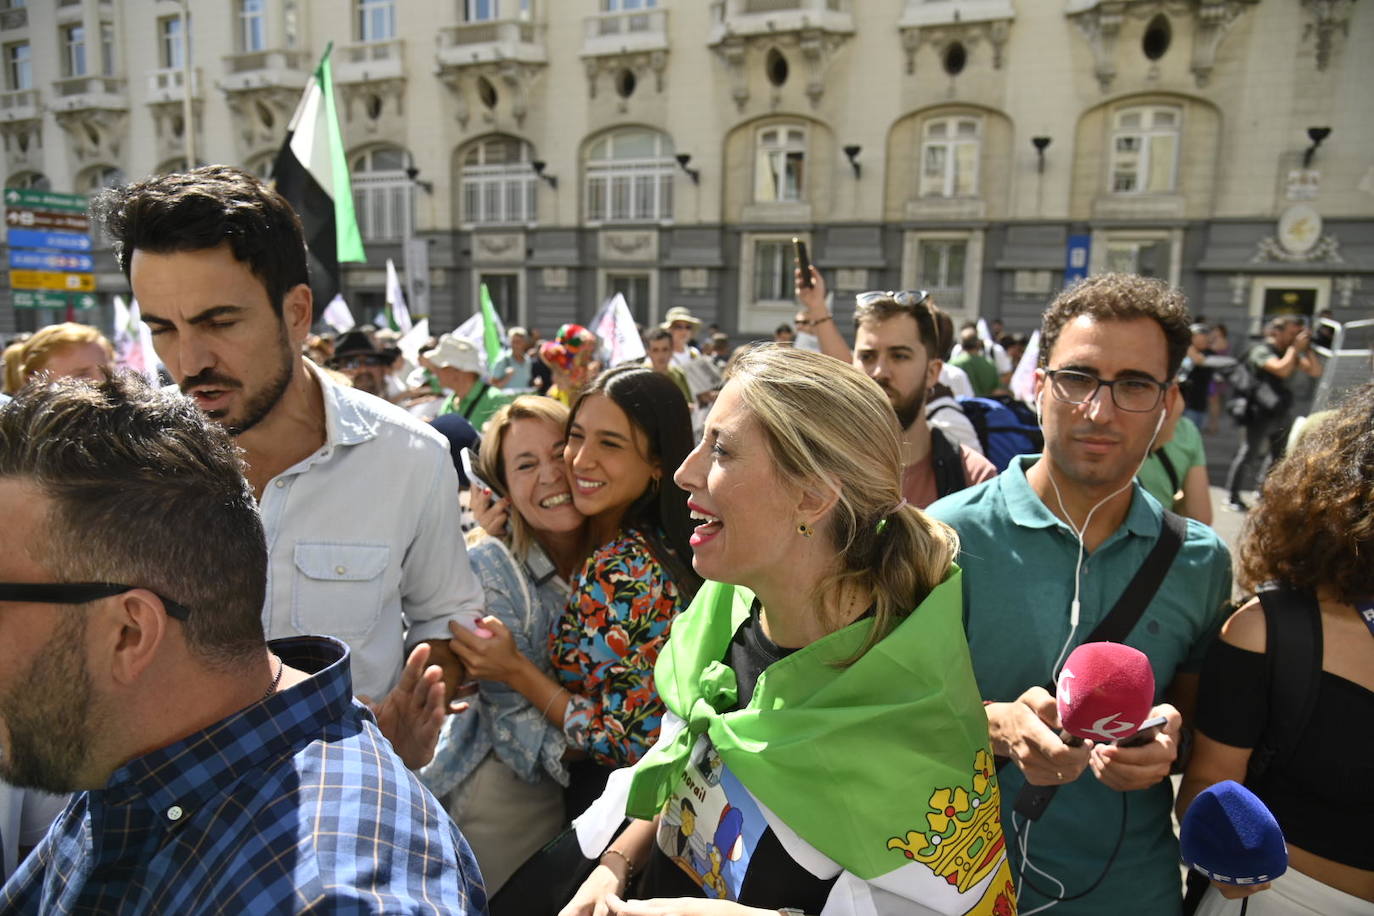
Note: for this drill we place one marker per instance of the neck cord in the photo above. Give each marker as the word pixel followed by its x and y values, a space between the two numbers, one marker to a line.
pixel 272 688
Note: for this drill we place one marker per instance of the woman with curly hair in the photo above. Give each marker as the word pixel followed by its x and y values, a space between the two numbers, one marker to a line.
pixel 1308 545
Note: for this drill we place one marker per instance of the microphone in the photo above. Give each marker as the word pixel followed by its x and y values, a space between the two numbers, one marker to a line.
pixel 1228 835
pixel 1104 693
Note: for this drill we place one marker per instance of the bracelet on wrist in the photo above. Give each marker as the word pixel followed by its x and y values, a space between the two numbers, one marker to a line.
pixel 816 321
pixel 552 700
pixel 629 866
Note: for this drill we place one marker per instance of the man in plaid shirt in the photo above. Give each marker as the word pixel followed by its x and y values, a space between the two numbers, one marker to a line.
pixel 213 771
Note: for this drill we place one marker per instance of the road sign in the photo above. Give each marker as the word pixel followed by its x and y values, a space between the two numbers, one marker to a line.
pixel 47 219
pixel 84 300
pixel 24 259
pixel 37 299
pixel 1075 259
pixel 46 200
pixel 40 238
pixel 49 279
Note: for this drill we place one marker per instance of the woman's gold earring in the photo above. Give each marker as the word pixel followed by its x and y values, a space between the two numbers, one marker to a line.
pixel 804 530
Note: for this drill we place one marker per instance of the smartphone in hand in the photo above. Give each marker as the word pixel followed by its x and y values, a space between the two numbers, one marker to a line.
pixel 803 262
pixel 1148 729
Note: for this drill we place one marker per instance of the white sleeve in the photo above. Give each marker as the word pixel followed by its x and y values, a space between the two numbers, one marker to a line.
pixel 437 583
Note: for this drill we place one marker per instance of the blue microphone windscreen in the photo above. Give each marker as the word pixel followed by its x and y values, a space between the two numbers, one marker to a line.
pixel 1230 836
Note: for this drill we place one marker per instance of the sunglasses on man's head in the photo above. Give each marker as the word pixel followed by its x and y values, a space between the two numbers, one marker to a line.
pixel 902 297
pixel 77 593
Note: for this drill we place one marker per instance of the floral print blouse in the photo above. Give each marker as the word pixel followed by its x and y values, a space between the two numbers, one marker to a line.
pixel 603 650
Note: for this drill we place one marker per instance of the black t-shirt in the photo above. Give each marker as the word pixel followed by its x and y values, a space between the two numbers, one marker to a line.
pixel 1323 795
pixel 1196 386
pixel 774 878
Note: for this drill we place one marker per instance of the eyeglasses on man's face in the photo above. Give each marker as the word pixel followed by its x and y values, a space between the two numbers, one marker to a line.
pixel 360 361
pixel 77 593
pixel 1132 393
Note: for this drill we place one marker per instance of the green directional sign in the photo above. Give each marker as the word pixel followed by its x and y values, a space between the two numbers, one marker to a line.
pixel 38 299
pixel 85 300
pixel 34 199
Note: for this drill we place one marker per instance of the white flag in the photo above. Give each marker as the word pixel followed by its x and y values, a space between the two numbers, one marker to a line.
pixel 473 331
pixel 1023 379
pixel 615 327
pixel 338 315
pixel 133 342
pixel 396 309
pixel 414 341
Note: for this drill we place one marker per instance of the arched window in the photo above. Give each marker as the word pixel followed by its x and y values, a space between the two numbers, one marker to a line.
pixel 35 180
pixel 99 177
pixel 949 156
pixel 382 192
pixel 1145 149
pixel 780 163
pixel 498 183
pixel 630 177
pixel 261 164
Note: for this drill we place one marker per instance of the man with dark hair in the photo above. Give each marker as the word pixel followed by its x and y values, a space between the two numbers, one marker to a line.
pixel 897 344
pixel 1274 363
pixel 213 769
pixel 357 497
pixel 1049 550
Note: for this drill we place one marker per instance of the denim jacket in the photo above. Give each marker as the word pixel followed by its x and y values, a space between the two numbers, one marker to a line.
pixel 529 598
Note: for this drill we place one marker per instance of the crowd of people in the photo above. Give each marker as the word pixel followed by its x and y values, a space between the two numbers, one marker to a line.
pixel 318 625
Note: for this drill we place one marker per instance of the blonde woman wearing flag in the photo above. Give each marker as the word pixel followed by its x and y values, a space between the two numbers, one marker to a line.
pixel 825 749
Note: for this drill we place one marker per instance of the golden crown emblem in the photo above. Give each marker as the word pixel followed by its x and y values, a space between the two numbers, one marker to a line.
pixel 964 841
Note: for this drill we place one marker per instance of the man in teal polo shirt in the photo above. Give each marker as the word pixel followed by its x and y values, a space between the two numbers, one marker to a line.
pixel 1110 346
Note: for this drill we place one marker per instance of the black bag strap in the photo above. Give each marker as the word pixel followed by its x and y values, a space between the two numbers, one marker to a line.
pixel 1127 611
pixel 1293 659
pixel 481 393
pixel 1169 469
pixel 1124 615
pixel 947 464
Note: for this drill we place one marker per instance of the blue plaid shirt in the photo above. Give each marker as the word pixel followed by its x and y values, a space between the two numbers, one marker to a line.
pixel 292 805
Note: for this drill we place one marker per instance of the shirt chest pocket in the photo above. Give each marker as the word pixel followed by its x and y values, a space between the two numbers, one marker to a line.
pixel 338 588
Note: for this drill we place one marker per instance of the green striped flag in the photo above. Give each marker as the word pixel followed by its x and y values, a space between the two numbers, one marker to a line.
pixel 491 329
pixel 311 172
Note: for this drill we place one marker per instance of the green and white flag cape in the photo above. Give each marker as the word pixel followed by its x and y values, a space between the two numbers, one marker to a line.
pixel 879 765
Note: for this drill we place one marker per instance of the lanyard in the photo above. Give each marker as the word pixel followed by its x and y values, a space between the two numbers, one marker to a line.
pixel 1366 610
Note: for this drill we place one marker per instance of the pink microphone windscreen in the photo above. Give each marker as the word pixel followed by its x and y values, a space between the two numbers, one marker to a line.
pixel 1105 691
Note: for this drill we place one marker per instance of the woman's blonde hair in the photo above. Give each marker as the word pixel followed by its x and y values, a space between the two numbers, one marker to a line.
pixel 492 467
pixel 827 424
pixel 39 348
pixel 14 375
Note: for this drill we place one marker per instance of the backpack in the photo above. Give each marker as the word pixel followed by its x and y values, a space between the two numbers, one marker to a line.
pixel 947 463
pixel 1005 429
pixel 1256 395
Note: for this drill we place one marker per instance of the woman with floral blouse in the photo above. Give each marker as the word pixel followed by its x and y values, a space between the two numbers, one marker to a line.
pixel 627 433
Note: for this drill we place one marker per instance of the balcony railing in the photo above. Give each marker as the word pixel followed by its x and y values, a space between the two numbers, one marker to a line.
pixel 617 33
pixel 19 105
pixel 757 17
pixel 370 60
pixel 774 6
pixel 168 84
pixel 476 42
pixel 76 92
pixel 257 69
pixel 14 18
pixel 250 61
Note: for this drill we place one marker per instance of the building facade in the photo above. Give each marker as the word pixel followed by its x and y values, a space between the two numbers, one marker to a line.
pixel 562 150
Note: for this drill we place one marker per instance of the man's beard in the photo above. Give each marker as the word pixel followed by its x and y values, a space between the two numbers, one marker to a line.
pixel 256 408
pixel 262 403
pixel 48 714
pixel 908 408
